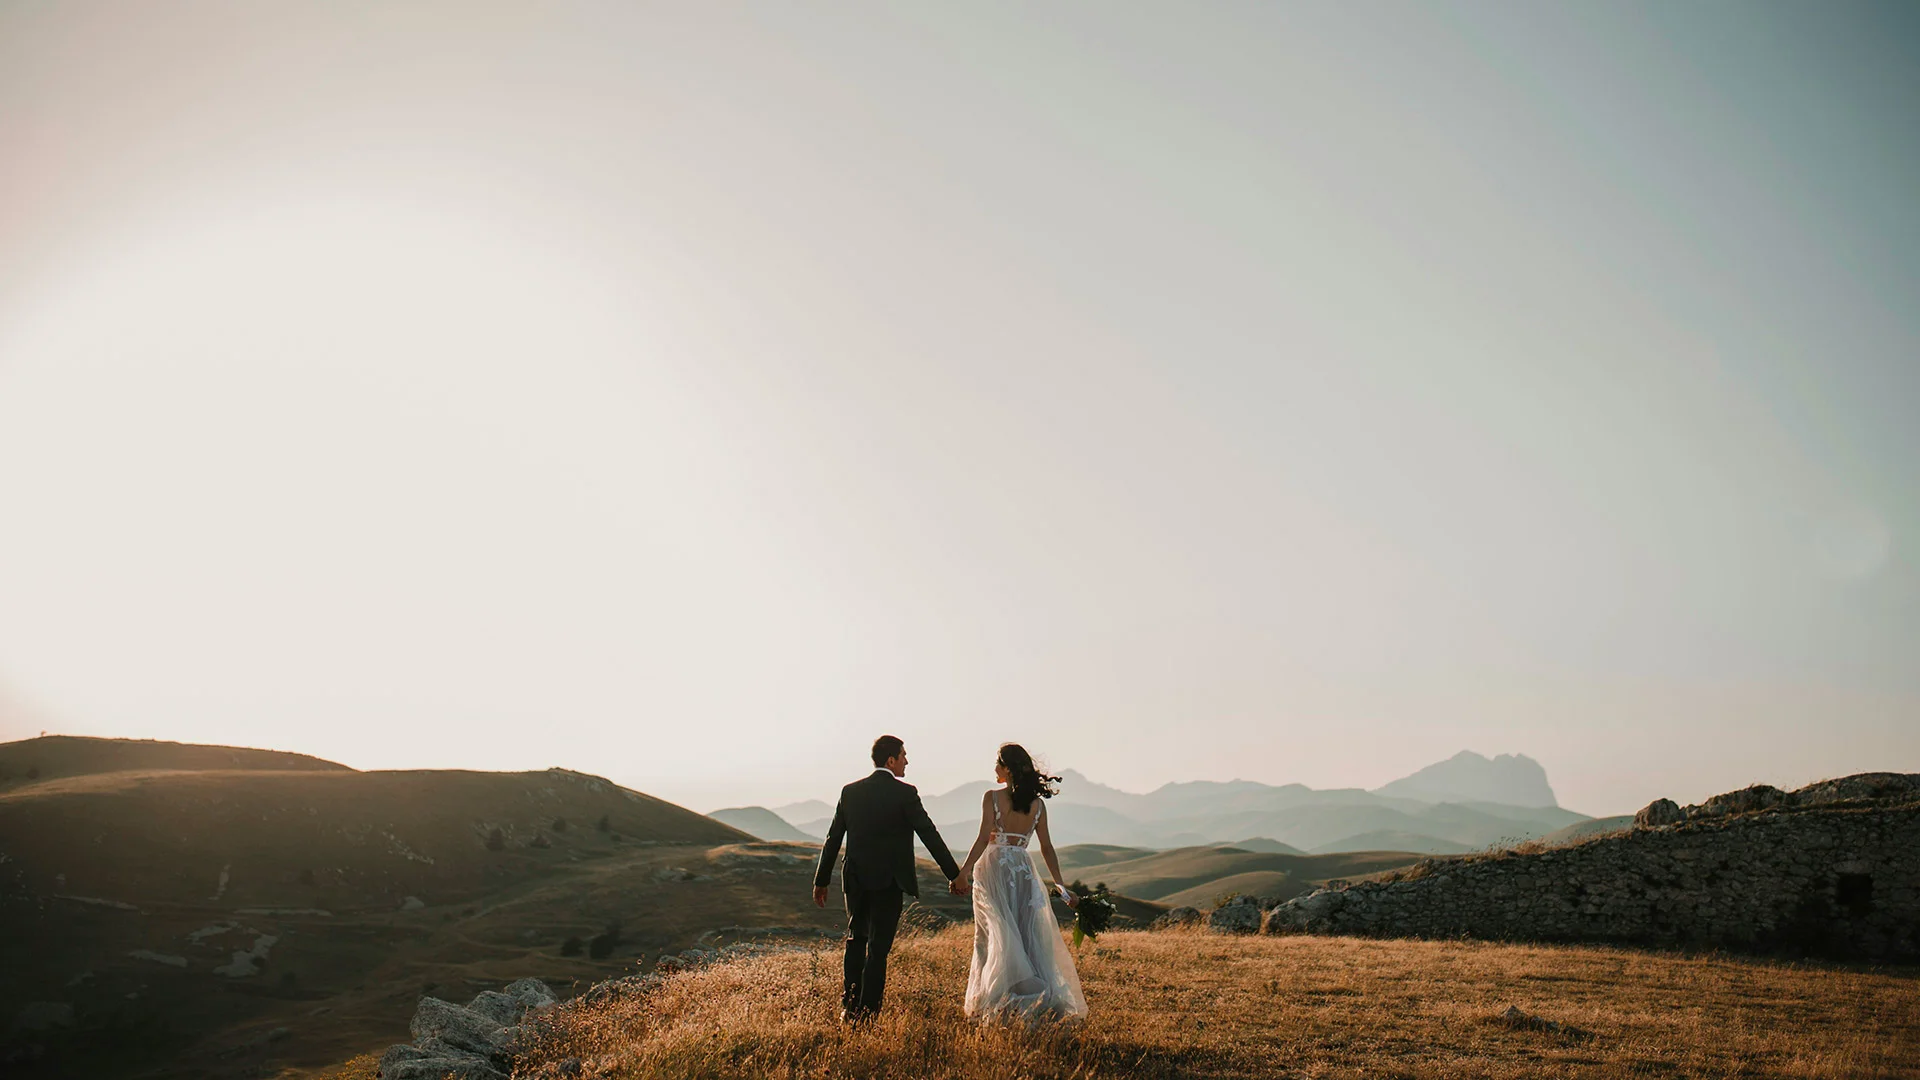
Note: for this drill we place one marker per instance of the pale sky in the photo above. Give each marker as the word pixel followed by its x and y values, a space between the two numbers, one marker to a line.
pixel 689 393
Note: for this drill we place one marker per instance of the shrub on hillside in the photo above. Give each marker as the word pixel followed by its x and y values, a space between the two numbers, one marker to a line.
pixel 496 840
pixel 603 824
pixel 572 946
pixel 559 824
pixel 603 944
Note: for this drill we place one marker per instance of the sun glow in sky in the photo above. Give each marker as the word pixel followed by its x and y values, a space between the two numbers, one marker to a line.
pixel 688 395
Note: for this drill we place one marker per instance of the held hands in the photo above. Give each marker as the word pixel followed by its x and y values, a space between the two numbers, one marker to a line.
pixel 959 886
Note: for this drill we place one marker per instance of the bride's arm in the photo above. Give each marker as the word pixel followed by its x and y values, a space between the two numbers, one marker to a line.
pixel 980 841
pixel 1053 861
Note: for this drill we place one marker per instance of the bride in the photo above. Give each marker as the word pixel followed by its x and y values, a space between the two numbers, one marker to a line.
pixel 1021 966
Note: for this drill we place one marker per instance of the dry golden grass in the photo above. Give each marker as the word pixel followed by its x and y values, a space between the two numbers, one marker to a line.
pixel 1191 1004
pixel 362 1067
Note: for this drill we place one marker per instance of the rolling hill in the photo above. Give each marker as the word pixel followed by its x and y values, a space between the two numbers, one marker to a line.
pixel 234 922
pixel 51 757
pixel 763 823
pixel 1075 856
pixel 1584 829
pixel 362 838
pixel 1393 840
pixel 1196 876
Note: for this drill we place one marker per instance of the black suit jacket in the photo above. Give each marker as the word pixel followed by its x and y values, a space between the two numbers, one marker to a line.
pixel 878 818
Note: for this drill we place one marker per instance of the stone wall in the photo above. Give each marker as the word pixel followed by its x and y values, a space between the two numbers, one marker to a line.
pixel 1829 879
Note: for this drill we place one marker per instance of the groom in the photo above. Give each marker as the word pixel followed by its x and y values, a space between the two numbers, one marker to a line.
pixel 878 817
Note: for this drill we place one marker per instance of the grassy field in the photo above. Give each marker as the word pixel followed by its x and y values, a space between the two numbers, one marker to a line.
pixel 1192 1004
pixel 1197 876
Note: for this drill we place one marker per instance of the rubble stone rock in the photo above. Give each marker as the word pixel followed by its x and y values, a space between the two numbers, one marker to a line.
pixel 1659 812
pixel 404 1062
pixel 1241 915
pixel 1180 916
pixel 454 1026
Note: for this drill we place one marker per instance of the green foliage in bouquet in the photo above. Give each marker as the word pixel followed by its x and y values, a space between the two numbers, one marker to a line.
pixel 1094 912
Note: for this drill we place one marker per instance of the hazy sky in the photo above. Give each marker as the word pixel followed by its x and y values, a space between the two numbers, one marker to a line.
pixel 689 393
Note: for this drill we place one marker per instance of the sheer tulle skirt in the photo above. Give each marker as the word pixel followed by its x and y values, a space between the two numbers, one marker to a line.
pixel 1021 965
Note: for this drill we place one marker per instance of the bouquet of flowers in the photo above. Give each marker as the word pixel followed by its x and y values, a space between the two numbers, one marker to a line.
pixel 1094 912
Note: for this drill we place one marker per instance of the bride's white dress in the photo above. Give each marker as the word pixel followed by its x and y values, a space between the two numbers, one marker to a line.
pixel 1021 966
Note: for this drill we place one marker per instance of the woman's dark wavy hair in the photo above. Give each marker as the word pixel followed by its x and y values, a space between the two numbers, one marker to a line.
pixel 1026 782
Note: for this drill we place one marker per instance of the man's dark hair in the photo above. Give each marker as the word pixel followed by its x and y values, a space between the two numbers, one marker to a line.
pixel 886 747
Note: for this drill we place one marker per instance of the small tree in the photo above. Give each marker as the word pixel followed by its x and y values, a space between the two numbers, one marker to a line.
pixel 603 824
pixel 572 946
pixel 603 944
pixel 33 772
pixel 496 840
pixel 559 824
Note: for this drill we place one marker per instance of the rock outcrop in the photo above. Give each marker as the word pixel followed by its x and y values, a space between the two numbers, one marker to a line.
pixel 1659 812
pixel 1510 779
pixel 1241 915
pixel 476 1041
pixel 1180 916
pixel 485 1038
pixel 1830 870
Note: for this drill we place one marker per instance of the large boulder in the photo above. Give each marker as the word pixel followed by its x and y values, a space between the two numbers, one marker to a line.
pixel 477 1041
pixel 501 1009
pixel 1180 916
pixel 1241 915
pixel 436 1062
pixel 1309 912
pixel 536 994
pixel 455 1026
pixel 1745 801
pixel 1659 812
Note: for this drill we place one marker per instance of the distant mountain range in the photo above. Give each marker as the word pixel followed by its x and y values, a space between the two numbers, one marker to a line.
pixel 763 823
pixel 1464 803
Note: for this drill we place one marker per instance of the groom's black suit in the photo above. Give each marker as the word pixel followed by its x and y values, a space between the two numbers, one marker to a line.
pixel 878 818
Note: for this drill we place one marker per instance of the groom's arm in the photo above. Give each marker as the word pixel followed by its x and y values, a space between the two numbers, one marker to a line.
pixel 829 851
pixel 930 836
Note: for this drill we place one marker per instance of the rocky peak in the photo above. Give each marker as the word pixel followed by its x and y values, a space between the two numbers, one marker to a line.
pixel 1509 779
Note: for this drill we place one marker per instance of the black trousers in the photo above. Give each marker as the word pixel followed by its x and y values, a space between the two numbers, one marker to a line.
pixel 872 917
